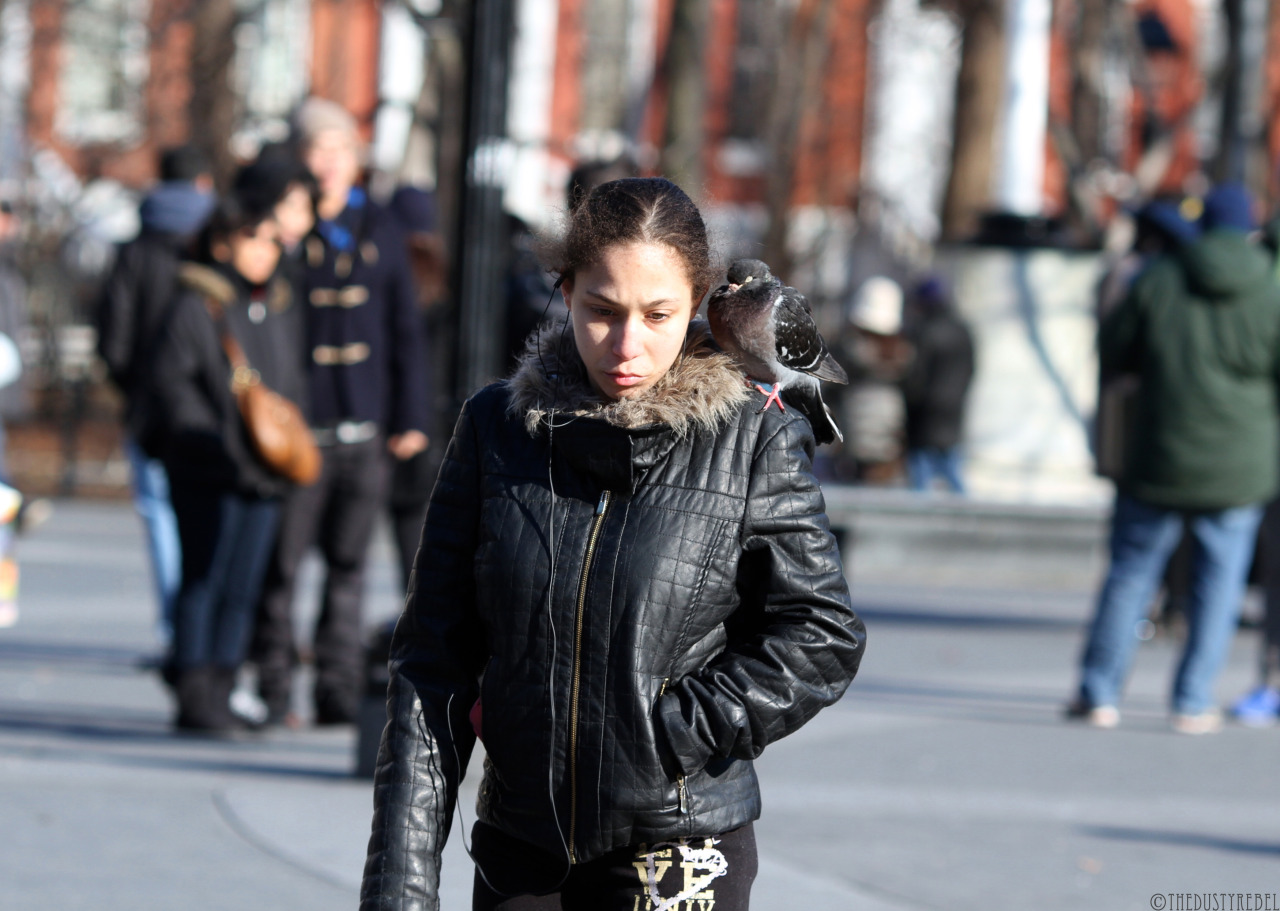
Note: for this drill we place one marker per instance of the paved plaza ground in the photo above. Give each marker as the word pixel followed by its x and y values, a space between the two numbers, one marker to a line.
pixel 945 779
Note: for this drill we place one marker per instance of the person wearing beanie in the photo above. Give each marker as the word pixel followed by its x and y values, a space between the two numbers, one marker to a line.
pixel 1200 329
pixel 368 406
pixel 876 355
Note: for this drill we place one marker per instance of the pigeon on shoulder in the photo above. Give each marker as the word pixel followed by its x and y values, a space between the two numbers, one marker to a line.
pixel 769 328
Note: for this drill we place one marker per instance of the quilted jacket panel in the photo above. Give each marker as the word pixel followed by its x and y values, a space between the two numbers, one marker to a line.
pixel 666 604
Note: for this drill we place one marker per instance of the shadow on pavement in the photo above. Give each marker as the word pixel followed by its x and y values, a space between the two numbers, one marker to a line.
pixel 1183 839
pixel 973 621
pixel 83 657
pixel 145 740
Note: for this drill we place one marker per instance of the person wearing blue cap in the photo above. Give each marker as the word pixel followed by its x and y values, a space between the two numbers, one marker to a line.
pixel 1201 328
pixel 130 313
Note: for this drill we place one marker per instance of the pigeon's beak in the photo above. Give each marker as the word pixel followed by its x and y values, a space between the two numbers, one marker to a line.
pixel 732 287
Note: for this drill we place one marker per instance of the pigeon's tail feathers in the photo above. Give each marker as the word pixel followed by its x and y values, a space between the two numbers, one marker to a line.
pixel 829 369
pixel 807 398
pixel 825 429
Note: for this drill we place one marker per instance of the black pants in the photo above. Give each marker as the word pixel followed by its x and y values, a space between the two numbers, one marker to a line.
pixel 337 514
pixel 226 539
pixel 687 874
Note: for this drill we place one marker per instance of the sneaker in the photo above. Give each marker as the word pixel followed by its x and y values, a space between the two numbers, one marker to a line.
pixel 1259 708
pixel 1209 722
pixel 1098 716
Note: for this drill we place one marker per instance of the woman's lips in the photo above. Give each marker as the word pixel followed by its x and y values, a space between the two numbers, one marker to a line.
pixel 625 379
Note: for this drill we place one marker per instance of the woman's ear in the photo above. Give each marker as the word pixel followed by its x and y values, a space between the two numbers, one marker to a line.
pixel 566 291
pixel 221 251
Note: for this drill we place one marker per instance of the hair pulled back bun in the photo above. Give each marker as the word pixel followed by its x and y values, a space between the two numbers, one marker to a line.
pixel 634 210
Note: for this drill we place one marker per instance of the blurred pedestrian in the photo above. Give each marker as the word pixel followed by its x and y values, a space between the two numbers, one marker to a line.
pixel 131 310
pixel 1260 707
pixel 368 405
pixel 877 356
pixel 226 498
pixel 13 320
pixel 936 387
pixel 1201 327
pixel 413 478
pixel 626 587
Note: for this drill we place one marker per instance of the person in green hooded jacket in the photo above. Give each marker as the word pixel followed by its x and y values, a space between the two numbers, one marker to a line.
pixel 1201 328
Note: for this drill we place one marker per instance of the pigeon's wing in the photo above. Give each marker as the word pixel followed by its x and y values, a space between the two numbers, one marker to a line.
pixel 799 344
pixel 791 292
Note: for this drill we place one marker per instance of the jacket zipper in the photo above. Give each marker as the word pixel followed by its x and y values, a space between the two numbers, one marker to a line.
pixel 683 794
pixel 601 507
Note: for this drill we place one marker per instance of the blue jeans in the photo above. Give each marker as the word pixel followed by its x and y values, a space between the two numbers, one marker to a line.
pixel 151 500
pixel 1143 537
pixel 226 542
pixel 923 465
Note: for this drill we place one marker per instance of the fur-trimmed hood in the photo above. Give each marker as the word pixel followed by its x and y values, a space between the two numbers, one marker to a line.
pixel 701 392
pixel 218 284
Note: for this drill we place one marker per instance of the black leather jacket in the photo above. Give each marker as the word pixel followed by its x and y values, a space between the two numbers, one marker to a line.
pixel 642 599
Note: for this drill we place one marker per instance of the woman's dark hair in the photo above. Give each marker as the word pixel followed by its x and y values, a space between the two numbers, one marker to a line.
pixel 634 210
pixel 232 213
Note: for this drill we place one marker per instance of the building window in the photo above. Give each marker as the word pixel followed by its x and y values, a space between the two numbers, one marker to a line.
pixel 604 69
pixel 273 42
pixel 753 69
pixel 104 52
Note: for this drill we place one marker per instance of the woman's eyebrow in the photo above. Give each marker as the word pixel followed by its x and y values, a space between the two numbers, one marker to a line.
pixel 613 303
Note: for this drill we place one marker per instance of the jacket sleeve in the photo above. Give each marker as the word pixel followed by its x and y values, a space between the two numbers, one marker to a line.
pixel 437 653
pixel 1121 331
pixel 190 417
pixel 115 317
pixel 794 643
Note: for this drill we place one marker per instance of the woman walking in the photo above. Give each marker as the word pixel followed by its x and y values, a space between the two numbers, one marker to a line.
pixel 626 587
pixel 226 498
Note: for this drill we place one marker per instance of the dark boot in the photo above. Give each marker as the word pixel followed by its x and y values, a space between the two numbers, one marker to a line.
pixel 204 702
pixel 191 684
pixel 222 683
pixel 275 689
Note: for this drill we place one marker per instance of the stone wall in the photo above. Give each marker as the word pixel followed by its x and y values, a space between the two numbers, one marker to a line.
pixel 1031 406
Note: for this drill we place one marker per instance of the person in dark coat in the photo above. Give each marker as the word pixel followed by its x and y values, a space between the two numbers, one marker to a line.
pixel 131 311
pixel 413 478
pixel 226 498
pixel 627 587
pixel 936 387
pixel 368 406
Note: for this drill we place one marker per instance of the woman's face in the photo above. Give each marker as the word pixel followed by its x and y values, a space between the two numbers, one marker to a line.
pixel 630 312
pixel 254 252
pixel 294 215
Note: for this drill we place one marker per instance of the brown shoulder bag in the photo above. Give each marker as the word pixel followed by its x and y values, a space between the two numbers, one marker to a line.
pixel 276 427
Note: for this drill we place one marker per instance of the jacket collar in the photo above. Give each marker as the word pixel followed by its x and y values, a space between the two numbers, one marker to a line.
pixel 702 391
